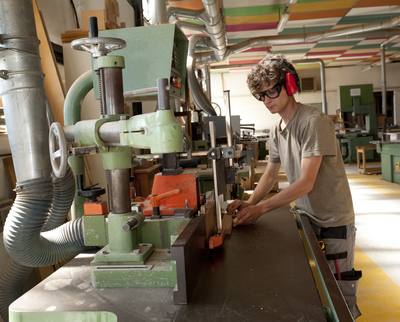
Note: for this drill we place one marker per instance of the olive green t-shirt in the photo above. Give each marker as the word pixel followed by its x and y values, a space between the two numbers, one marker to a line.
pixel 311 133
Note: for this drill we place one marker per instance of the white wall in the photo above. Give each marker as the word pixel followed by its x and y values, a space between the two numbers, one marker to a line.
pixel 242 102
pixel 58 15
pixel 252 111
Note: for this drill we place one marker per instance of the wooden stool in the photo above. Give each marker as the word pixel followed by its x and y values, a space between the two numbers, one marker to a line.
pixel 362 160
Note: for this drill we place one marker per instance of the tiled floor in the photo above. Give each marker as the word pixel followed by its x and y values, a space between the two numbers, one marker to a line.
pixel 377 207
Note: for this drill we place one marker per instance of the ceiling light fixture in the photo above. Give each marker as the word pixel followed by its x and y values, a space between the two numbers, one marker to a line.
pixel 282 22
pixel 285 16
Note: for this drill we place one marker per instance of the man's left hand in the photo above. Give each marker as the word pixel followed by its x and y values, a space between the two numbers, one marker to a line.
pixel 248 215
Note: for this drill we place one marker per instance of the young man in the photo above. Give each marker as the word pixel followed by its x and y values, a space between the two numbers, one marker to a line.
pixel 304 143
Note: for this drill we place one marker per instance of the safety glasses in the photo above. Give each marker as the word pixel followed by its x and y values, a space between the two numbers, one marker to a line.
pixel 273 92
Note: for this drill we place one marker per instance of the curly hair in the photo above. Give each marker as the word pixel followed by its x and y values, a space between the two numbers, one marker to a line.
pixel 270 71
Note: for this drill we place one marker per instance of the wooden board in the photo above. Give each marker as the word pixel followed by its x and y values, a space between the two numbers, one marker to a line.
pixel 71 35
pixel 52 82
pixel 112 14
pixel 8 164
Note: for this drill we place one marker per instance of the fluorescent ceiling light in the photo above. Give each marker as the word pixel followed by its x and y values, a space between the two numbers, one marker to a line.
pixel 285 17
pixel 353 57
pixel 282 22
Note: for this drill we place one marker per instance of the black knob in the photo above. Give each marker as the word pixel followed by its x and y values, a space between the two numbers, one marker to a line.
pixel 93 28
pixel 156 213
pixel 131 224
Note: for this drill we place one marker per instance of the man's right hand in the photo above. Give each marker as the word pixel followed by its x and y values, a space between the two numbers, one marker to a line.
pixel 237 205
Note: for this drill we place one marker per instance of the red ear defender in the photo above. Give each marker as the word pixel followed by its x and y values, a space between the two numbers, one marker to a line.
pixel 290 84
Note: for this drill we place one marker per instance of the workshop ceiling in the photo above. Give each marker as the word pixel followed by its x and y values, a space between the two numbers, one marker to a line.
pixel 260 18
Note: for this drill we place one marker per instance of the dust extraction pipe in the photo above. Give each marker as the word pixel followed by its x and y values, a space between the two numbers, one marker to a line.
pixel 213 24
pixel 390 23
pixel 14 277
pixel 25 110
pixel 215 29
pixel 199 98
pixel 209 56
pixel 41 204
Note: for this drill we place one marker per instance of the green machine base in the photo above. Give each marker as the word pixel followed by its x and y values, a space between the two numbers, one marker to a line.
pixel 150 264
pixel 158 271
pixel 137 256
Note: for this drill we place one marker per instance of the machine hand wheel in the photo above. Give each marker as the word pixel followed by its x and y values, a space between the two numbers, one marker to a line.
pixel 58 150
pixel 98 46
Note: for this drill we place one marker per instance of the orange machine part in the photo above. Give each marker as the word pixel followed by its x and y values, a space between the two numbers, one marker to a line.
pixel 215 241
pixel 186 198
pixel 186 183
pixel 155 200
pixel 96 208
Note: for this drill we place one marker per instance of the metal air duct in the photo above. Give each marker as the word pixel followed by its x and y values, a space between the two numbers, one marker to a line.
pixel 21 88
pixel 391 23
pixel 199 98
pixel 212 24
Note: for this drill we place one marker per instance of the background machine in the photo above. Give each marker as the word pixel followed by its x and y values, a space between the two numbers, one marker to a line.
pixel 357 105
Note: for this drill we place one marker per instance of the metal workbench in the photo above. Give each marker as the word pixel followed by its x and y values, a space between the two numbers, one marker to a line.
pixel 262 274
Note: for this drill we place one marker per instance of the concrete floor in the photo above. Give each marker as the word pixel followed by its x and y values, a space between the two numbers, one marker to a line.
pixel 377 207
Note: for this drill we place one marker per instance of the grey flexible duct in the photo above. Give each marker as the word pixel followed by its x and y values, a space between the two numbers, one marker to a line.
pixel 12 282
pixel 13 278
pixel 25 110
pixel 63 195
pixel 22 237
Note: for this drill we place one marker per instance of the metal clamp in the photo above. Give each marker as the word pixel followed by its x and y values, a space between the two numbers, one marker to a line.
pixel 84 150
pixel 4 74
pixel 214 154
pixel 220 153
pixel 227 152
